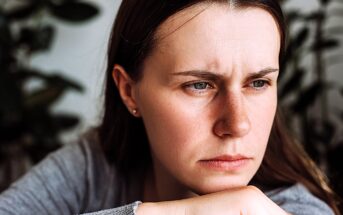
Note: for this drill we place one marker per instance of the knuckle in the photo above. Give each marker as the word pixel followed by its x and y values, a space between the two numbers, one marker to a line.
pixel 252 194
pixel 252 189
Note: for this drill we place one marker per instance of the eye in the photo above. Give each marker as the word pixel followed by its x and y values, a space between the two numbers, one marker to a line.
pixel 198 87
pixel 259 84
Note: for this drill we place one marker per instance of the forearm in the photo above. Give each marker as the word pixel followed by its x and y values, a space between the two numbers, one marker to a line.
pixel 244 200
pixel 166 208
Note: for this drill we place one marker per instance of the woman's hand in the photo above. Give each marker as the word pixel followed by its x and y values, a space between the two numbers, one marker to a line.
pixel 243 201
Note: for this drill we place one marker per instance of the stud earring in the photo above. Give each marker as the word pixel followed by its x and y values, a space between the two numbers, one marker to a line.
pixel 134 112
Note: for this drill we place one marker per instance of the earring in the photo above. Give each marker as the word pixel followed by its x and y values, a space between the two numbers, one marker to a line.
pixel 134 112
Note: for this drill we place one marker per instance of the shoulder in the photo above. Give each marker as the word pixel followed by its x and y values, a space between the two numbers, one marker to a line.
pixel 74 161
pixel 76 178
pixel 298 200
pixel 85 161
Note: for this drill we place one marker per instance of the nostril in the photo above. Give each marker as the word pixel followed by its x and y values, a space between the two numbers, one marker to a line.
pixel 233 128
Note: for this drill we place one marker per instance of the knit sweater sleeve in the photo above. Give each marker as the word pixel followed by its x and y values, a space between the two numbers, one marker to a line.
pixel 66 182
pixel 297 200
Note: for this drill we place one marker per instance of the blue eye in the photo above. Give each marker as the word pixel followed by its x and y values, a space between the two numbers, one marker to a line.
pixel 200 85
pixel 259 83
pixel 197 88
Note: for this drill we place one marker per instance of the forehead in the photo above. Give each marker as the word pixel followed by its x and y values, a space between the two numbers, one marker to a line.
pixel 214 30
pixel 210 13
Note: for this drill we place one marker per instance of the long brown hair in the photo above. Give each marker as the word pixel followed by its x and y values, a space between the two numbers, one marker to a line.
pixel 123 137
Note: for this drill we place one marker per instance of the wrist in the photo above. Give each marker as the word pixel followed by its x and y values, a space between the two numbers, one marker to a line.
pixel 147 208
pixel 158 208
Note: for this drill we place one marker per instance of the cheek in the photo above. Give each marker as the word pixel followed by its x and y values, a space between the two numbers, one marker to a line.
pixel 171 125
pixel 262 115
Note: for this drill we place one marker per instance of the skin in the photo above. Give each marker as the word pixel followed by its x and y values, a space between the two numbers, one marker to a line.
pixel 209 88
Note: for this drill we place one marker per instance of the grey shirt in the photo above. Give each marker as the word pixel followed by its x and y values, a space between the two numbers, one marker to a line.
pixel 77 179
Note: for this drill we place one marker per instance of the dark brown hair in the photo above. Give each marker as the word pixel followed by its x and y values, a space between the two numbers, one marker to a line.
pixel 123 137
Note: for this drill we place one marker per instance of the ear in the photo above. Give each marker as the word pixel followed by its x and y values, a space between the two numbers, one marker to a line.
pixel 125 87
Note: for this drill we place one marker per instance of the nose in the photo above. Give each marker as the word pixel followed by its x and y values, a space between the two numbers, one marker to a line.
pixel 233 119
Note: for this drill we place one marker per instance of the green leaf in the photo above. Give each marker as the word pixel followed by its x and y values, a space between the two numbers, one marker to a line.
pixel 23 74
pixel 23 12
pixel 318 15
pixel 326 132
pixel 293 84
pixel 11 108
pixel 56 86
pixel 325 45
pixel 335 160
pixel 74 11
pixel 301 37
pixel 287 58
pixel 63 82
pixel 324 2
pixel 39 122
pixel 6 44
pixel 10 94
pixel 292 16
pixel 40 149
pixel 5 33
pixel 37 39
pixel 307 97
pixel 11 129
pixel 43 98
pixel 64 122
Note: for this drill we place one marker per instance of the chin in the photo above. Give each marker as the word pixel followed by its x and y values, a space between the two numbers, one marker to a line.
pixel 220 184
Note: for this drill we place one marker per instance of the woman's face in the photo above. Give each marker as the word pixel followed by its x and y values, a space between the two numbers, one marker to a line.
pixel 208 96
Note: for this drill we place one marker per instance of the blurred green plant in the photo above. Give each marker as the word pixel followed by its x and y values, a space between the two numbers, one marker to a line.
pixel 29 130
pixel 304 90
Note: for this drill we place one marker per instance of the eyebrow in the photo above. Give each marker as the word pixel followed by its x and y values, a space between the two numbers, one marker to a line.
pixel 213 76
pixel 199 74
pixel 262 73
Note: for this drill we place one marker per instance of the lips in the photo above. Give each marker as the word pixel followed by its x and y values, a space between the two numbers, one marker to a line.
pixel 226 162
pixel 227 158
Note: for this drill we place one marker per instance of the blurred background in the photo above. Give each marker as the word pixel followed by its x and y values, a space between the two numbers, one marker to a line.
pixel 52 65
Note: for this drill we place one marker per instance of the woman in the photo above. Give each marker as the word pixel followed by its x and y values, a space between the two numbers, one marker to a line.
pixel 190 121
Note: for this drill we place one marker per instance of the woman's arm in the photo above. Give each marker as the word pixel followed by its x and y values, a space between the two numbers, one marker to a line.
pixel 295 200
pixel 244 201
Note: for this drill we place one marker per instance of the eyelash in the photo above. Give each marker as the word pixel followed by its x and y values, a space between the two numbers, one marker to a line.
pixel 266 83
pixel 191 86
pixel 209 86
